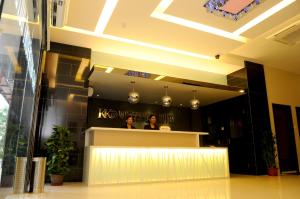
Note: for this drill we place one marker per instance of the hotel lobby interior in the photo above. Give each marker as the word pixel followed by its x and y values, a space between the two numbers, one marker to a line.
pixel 138 99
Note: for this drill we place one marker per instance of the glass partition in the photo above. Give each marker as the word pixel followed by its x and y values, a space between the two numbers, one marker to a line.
pixel 20 47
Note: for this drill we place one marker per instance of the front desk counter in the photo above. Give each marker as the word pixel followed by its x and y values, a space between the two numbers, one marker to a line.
pixel 114 155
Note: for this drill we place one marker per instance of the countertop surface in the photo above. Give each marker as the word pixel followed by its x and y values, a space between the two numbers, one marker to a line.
pixel 105 129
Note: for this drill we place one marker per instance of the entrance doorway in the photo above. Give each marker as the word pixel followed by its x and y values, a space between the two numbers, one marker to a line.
pixel 287 153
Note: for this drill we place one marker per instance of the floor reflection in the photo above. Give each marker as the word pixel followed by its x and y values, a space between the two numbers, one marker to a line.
pixel 236 187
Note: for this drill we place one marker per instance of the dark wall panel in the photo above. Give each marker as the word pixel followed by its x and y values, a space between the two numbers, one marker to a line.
pixel 259 110
pixel 229 125
pixel 64 102
pixel 179 118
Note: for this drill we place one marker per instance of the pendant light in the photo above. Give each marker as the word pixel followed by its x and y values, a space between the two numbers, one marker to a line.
pixel 166 100
pixel 194 103
pixel 133 96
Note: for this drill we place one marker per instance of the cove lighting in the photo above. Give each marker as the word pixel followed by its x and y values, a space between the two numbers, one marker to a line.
pixel 102 22
pixel 159 77
pixel 106 13
pixel 159 13
pixel 104 18
pixel 263 16
pixel 158 47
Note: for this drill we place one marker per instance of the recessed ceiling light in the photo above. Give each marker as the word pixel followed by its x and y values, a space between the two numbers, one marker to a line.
pixel 109 69
pixel 159 77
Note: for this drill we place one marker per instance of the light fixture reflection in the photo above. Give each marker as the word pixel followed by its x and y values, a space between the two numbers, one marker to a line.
pixel 109 69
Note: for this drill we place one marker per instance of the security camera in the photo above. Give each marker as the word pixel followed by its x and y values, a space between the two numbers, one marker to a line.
pixel 217 56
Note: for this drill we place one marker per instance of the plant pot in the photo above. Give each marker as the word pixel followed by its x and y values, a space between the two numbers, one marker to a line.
pixel 272 171
pixel 56 180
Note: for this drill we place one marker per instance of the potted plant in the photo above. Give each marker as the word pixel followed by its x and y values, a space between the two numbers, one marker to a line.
pixel 58 146
pixel 269 152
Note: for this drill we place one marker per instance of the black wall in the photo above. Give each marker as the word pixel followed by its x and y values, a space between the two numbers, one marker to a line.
pixel 229 125
pixel 259 110
pixel 179 118
pixel 239 123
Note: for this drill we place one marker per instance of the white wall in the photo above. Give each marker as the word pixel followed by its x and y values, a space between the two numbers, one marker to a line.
pixel 284 88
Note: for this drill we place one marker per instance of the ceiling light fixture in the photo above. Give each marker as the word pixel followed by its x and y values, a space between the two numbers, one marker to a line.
pixel 166 99
pixel 195 103
pixel 159 77
pixel 133 96
pixel 217 7
pixel 263 16
pixel 109 69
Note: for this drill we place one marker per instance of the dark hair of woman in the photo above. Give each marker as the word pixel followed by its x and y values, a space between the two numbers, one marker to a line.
pixel 151 124
pixel 129 122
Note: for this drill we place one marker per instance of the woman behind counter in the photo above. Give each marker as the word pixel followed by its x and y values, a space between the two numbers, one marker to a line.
pixel 129 123
pixel 152 125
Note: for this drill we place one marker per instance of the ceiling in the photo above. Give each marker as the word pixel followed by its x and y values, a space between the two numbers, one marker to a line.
pixel 182 33
pixel 106 87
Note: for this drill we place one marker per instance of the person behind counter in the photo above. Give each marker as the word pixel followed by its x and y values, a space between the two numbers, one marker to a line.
pixel 129 123
pixel 152 125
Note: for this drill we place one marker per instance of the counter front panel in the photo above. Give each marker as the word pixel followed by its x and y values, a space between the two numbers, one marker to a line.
pixel 127 156
pixel 109 165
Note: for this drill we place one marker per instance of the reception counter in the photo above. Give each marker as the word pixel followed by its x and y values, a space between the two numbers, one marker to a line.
pixel 139 137
pixel 131 156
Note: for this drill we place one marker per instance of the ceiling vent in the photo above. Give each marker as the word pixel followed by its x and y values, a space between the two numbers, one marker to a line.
pixel 289 36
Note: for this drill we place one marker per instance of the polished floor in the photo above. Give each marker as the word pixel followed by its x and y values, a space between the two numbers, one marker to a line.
pixel 237 187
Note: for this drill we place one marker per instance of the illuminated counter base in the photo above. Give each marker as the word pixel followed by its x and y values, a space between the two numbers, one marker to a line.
pixel 108 165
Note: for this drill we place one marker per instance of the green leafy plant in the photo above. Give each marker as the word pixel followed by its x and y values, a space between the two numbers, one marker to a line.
pixel 3 119
pixel 59 146
pixel 269 153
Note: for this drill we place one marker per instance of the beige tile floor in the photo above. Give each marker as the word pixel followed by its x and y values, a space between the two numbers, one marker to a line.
pixel 237 187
